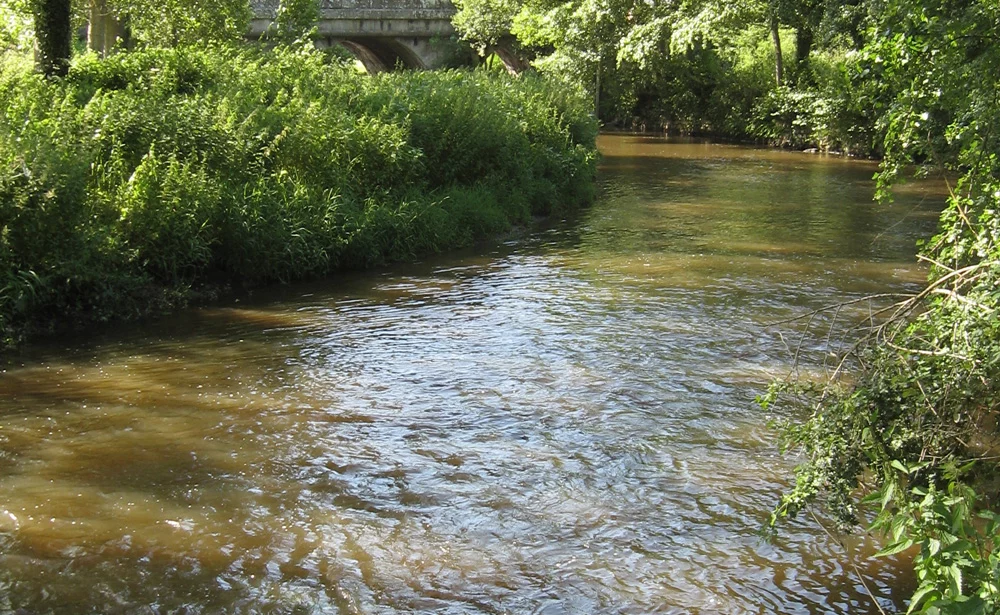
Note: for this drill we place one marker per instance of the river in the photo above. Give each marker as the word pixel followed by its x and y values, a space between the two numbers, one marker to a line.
pixel 563 423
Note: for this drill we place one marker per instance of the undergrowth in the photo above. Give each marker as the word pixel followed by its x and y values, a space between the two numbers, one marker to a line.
pixel 139 178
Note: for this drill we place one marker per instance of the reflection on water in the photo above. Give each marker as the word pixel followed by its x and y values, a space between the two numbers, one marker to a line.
pixel 562 424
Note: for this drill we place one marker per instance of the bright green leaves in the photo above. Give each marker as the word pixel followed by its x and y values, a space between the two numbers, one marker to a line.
pixel 167 207
pixel 143 174
pixel 485 22
pixel 174 22
pixel 294 20
pixel 918 430
pixel 16 27
pixel 956 563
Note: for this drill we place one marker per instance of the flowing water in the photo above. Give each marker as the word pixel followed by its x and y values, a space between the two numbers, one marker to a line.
pixel 563 423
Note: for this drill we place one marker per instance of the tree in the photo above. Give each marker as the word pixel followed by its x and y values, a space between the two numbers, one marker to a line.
pixel 849 18
pixel 105 29
pixel 49 24
pixel 294 19
pixel 773 28
pixel 53 33
pixel 805 17
pixel 486 22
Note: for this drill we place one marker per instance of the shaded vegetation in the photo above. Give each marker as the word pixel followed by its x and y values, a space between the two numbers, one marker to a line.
pixel 783 72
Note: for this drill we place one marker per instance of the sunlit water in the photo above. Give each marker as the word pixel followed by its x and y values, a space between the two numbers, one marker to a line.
pixel 560 424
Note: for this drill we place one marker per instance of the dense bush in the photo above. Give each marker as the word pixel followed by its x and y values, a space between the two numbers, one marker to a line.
pixel 729 91
pixel 910 441
pixel 141 176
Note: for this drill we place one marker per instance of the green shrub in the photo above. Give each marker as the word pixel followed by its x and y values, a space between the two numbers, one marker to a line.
pixel 909 441
pixel 141 176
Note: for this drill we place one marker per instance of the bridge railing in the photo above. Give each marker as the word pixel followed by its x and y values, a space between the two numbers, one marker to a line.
pixel 264 9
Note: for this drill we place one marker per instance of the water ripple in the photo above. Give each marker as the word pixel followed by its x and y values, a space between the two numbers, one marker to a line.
pixel 562 425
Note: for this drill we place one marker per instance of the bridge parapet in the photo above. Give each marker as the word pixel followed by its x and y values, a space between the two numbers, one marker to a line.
pixel 268 8
pixel 383 34
pixel 352 10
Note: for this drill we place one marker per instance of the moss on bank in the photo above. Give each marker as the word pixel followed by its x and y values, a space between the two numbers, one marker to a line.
pixel 138 178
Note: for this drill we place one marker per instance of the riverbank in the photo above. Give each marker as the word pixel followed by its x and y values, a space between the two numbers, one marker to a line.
pixel 138 180
pixel 443 435
pixel 708 138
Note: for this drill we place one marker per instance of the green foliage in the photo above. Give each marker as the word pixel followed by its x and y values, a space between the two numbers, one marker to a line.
pixel 139 177
pixel 485 22
pixel 918 428
pixel 185 22
pixel 151 22
pixel 957 564
pixel 16 27
pixel 794 118
pixel 294 20
pixel 698 66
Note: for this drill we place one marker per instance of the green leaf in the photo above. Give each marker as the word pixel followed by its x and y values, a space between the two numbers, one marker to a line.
pixel 933 546
pixel 896 547
pixel 898 526
pixel 972 606
pixel 955 579
pixel 958 546
pixel 888 491
pixel 919 595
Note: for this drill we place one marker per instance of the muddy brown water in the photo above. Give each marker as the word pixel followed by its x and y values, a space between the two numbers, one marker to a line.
pixel 561 424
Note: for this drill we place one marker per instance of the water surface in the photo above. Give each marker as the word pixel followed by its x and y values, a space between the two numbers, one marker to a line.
pixel 563 423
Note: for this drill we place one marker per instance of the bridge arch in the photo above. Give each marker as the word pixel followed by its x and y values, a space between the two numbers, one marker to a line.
pixel 382 34
pixel 382 54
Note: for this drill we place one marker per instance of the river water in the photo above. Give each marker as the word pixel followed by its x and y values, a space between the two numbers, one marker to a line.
pixel 563 423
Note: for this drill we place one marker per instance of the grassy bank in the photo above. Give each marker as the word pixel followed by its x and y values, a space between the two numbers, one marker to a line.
pixel 136 180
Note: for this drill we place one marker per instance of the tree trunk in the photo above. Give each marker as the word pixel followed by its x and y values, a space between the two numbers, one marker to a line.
pixel 97 26
pixel 779 65
pixel 803 45
pixel 123 32
pixel 53 37
pixel 106 30
pixel 597 92
pixel 504 49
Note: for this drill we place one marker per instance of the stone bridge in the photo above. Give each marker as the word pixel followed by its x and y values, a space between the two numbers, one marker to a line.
pixel 382 34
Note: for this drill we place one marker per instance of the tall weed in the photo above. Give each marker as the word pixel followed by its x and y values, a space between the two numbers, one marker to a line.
pixel 141 176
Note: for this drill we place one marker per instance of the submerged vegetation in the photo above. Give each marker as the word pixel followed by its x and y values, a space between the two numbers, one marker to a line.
pixel 140 177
